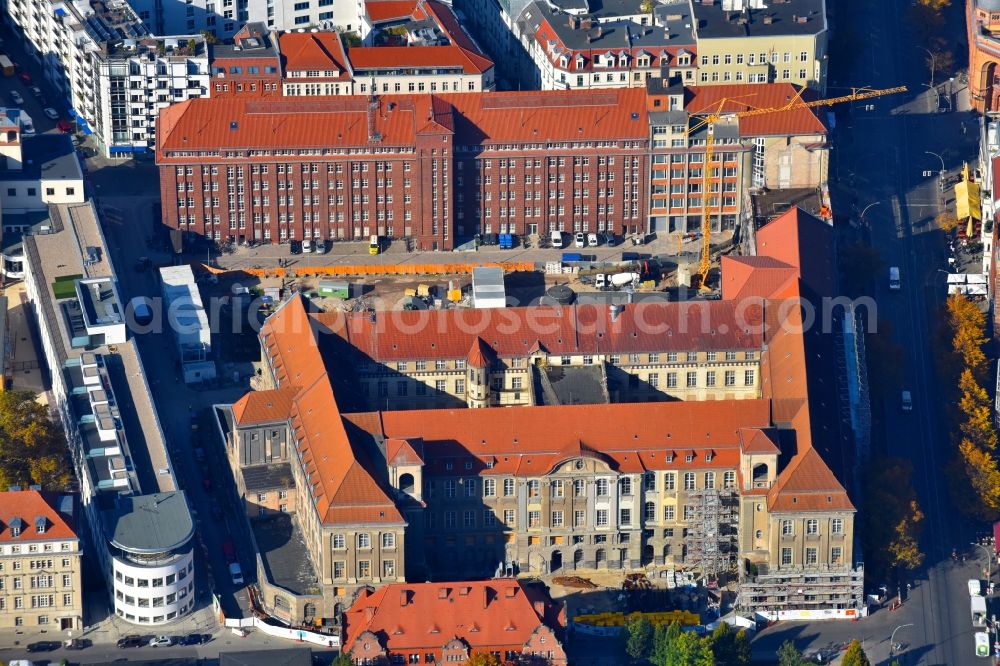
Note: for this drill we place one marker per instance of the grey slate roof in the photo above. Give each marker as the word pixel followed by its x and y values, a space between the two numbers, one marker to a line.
pixel 49 156
pixel 613 34
pixel 572 385
pixel 713 21
pixel 153 523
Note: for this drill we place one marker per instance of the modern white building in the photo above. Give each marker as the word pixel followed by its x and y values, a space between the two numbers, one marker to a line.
pixel 112 75
pixel 136 516
pixel 137 78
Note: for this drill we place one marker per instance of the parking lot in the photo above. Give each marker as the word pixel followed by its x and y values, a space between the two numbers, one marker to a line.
pixel 32 104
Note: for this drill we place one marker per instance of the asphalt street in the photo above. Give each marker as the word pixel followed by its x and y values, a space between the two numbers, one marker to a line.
pixel 882 149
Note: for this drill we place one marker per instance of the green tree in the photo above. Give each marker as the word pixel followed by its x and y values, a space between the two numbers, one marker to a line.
pixel 855 656
pixel 688 649
pixel 639 642
pixel 663 639
pixel 32 448
pixel 789 655
pixel 342 659
pixel 730 647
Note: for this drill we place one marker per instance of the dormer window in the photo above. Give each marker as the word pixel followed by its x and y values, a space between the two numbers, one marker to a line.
pixel 16 525
pixel 689 457
pixel 564 62
pixel 40 524
pixel 708 457
pixel 579 62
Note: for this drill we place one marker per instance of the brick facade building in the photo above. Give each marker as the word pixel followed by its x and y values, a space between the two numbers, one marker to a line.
pixel 439 168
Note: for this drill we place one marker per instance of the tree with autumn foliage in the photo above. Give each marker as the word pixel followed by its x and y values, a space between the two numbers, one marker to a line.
pixel 484 659
pixel 32 449
pixel 968 325
pixel 893 521
pixel 855 655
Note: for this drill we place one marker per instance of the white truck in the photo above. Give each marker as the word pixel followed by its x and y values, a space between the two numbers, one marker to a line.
pixel 894 278
pixel 978 611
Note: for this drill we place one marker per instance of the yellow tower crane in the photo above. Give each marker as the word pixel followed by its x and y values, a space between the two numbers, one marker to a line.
pixel 709 119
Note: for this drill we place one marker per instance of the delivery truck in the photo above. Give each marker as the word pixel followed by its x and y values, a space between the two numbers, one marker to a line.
pixel 6 65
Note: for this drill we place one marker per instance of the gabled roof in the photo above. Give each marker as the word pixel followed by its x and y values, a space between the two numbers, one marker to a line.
pixel 321 51
pixel 755 440
pixel 733 97
pixel 491 614
pixel 761 277
pixel 390 10
pixel 807 484
pixel 802 241
pixel 24 508
pixel 264 406
pixel 577 329
pixel 399 451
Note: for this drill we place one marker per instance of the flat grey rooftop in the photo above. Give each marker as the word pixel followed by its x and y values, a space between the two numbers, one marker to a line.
pixel 572 385
pixel 284 553
pixel 151 524
pixel 267 477
pixel 46 156
pixel 280 657
pixel 790 17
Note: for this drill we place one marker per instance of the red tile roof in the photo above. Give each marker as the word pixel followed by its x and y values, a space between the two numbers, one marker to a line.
pixel 380 57
pixel 730 98
pixel 389 10
pixel 995 168
pixel 491 117
pixel 27 506
pixel 761 277
pixel 577 329
pixel 264 406
pixel 530 441
pixel 321 51
pixel 490 614
pixel 342 486
pixel 807 484
pixel 802 241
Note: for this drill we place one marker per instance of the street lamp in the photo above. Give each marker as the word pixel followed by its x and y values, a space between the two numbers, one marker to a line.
pixel 939 157
pixel 989 561
pixel 933 61
pixel 892 639
pixel 861 218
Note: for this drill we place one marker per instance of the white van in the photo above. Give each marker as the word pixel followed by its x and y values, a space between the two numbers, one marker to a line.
pixel 906 402
pixel 236 573
pixel 307 246
pixel 894 278
pixel 557 239
pixel 975 587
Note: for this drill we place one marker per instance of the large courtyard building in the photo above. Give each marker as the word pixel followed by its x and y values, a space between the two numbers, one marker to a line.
pixel 437 168
pixel 683 435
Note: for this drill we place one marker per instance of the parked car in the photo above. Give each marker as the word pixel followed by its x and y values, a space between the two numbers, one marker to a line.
pixel 557 239
pixel 579 240
pixel 608 239
pixel 130 641
pixel 64 126
pixel 50 113
pixel 161 641
pixel 236 573
pixel 35 91
pixel 24 76
pixel 229 551
pixel 592 240
pixel 307 246
pixel 16 97
pixel 43 646
pixel 295 247
pixel 77 643
pixel 192 639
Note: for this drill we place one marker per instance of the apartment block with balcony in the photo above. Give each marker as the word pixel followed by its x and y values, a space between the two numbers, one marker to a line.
pixel 139 77
pixel 111 73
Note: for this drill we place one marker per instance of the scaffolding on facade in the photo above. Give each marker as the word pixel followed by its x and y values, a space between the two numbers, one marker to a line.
pixel 802 589
pixel 711 541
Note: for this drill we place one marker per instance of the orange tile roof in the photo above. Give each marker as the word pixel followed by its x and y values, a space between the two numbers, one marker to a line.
pixel 479 354
pixel 264 406
pixel 807 484
pixel 802 241
pixel 530 441
pixel 746 96
pixel 380 57
pixel 761 277
pixel 388 10
pixel 757 441
pixel 576 329
pixel 344 489
pixel 490 614
pixel 29 505
pixel 321 51
pixel 491 117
